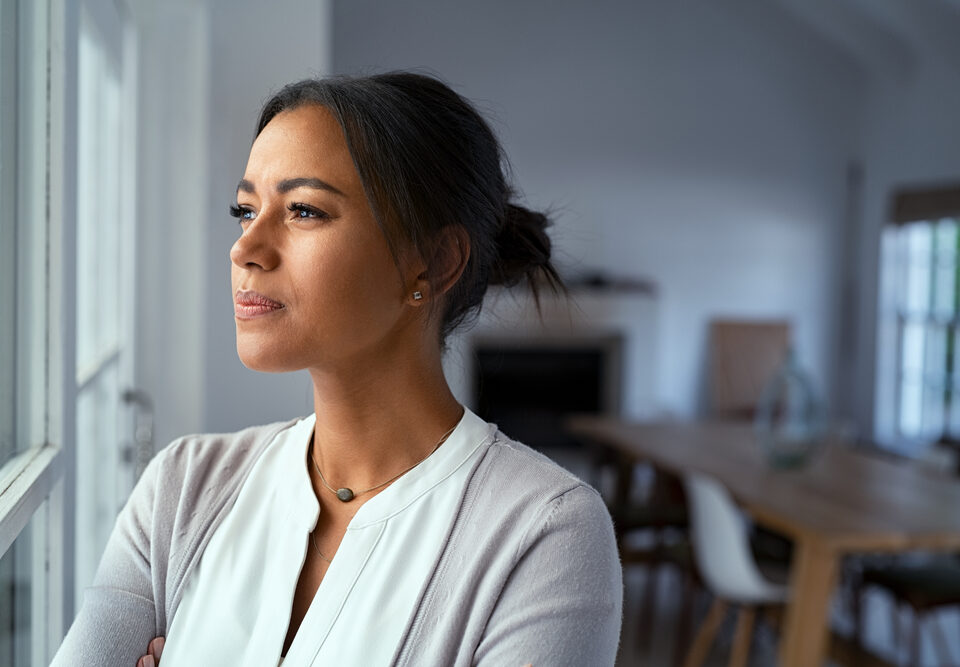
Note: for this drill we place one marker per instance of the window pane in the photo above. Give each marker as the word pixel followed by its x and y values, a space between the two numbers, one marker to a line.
pixel 25 279
pixel 945 240
pixel 919 246
pixel 927 267
pixel 16 569
pixel 30 208
pixel 935 354
pixel 8 238
pixel 912 354
pixel 934 421
pixel 953 424
pixel 943 297
pixel 911 407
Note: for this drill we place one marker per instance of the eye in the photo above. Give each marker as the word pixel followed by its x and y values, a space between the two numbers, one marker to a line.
pixel 306 212
pixel 241 212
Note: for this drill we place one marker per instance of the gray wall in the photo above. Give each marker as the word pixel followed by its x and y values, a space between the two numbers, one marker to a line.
pixel 703 145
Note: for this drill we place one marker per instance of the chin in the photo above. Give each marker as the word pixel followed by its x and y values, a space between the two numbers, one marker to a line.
pixel 263 358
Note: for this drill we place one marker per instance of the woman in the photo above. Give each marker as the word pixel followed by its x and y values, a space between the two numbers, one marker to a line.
pixel 393 526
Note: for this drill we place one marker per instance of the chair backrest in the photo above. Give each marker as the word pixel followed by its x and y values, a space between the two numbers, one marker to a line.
pixel 721 544
pixel 744 355
pixel 949 446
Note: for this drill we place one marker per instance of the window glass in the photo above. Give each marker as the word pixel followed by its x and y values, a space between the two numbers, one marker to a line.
pixel 928 278
pixel 23 225
pixel 16 602
pixel 27 565
pixel 8 239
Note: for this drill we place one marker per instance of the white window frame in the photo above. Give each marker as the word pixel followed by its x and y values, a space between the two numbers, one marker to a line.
pixel 927 318
pixel 44 470
pixel 930 207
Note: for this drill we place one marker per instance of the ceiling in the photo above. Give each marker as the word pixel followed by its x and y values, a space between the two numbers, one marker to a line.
pixel 886 37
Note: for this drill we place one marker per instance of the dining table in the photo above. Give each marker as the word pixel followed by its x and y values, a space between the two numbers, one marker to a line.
pixel 843 501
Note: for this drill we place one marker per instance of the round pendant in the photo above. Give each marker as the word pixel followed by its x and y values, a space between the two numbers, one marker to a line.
pixel 345 495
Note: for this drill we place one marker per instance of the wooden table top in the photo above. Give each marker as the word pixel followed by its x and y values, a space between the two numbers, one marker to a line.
pixel 848 499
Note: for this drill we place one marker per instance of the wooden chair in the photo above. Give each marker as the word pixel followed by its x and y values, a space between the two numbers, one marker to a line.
pixel 743 356
pixel 925 587
pixel 662 512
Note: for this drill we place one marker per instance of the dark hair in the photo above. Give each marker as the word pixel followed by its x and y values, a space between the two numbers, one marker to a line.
pixel 427 160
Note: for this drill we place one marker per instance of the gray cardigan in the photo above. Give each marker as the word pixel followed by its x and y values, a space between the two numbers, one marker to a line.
pixel 529 572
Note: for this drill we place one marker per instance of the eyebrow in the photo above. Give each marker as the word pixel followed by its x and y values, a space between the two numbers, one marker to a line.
pixel 289 184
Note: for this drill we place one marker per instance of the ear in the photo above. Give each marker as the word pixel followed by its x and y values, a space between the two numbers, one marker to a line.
pixel 443 268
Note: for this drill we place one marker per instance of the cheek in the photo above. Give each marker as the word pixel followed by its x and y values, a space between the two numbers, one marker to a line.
pixel 352 290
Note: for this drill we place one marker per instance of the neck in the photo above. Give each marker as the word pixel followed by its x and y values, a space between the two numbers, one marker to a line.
pixel 379 417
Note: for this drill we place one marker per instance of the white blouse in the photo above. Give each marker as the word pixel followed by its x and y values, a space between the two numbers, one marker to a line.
pixel 236 606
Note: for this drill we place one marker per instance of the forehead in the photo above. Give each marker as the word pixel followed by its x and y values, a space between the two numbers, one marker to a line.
pixel 307 140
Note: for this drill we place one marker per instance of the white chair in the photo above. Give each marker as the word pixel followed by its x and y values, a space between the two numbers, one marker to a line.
pixel 721 548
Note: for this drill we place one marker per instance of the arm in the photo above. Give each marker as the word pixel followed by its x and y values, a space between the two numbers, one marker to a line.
pixel 118 617
pixel 562 603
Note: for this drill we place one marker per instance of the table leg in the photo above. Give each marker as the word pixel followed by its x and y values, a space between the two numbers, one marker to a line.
pixel 812 580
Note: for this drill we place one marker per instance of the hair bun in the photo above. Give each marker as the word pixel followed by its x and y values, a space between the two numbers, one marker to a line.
pixel 523 250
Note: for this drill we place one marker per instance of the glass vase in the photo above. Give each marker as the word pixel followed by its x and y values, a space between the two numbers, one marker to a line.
pixel 790 420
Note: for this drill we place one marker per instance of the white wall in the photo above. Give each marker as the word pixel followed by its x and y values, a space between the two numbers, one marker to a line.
pixel 172 199
pixel 205 69
pixel 255 48
pixel 703 145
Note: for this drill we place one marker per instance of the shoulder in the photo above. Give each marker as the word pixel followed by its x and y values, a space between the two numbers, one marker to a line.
pixel 522 475
pixel 183 493
pixel 195 475
pixel 533 549
pixel 204 449
pixel 527 495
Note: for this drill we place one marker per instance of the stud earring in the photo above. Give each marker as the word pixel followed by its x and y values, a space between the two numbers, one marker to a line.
pixel 417 295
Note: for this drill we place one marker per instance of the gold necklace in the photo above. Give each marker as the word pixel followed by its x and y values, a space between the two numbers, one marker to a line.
pixel 313 536
pixel 346 494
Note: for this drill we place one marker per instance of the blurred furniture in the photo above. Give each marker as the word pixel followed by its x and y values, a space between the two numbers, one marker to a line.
pixel 721 547
pixel 925 588
pixel 744 355
pixel 951 445
pixel 657 515
pixel 844 502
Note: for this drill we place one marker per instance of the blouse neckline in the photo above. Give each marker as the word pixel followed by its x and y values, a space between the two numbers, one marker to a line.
pixel 470 433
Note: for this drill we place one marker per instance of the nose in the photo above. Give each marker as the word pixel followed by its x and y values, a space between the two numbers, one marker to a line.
pixel 257 245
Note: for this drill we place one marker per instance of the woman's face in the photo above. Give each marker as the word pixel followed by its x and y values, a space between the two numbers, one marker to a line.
pixel 314 282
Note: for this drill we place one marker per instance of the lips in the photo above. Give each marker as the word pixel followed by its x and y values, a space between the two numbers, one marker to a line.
pixel 248 304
